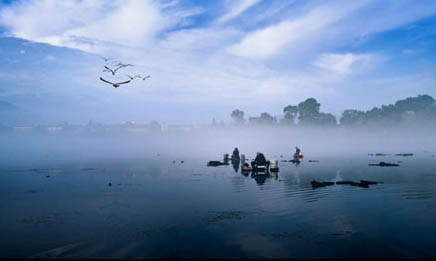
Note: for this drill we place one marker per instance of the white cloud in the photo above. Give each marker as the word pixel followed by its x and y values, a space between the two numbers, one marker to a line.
pixel 237 9
pixel 269 41
pixel 197 39
pixel 342 63
pixel 90 25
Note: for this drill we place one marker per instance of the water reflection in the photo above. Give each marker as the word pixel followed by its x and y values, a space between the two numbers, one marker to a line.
pixel 168 211
pixel 260 177
pixel 235 164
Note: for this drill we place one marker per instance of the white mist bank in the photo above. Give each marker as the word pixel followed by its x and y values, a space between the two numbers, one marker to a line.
pixel 27 150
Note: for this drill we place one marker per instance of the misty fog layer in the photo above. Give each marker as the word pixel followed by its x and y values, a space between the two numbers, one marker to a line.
pixel 210 144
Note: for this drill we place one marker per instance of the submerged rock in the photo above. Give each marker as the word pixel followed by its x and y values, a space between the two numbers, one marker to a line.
pixel 215 163
pixel 384 164
pixel 378 154
pixel 362 183
pixel 316 184
pixel 404 154
pixel 344 182
pixel 359 184
pixel 369 182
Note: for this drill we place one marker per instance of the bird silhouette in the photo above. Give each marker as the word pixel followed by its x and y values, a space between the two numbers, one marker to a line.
pixel 115 85
pixel 120 64
pixel 138 76
pixel 146 77
pixel 117 67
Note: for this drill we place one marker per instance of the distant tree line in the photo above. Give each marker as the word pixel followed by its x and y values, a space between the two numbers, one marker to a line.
pixel 412 110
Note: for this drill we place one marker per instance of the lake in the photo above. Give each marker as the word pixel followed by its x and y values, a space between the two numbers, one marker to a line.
pixel 157 206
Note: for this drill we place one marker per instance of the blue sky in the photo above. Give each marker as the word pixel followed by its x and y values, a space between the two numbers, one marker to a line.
pixel 207 58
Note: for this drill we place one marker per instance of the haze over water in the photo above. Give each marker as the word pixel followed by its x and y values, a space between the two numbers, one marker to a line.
pixel 59 203
pixel 112 111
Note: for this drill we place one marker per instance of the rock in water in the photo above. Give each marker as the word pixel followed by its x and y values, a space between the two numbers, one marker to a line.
pixel 316 184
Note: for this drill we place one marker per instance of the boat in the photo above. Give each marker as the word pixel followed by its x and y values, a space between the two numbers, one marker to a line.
pixel 298 156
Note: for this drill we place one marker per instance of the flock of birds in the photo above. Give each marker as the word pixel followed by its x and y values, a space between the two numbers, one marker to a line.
pixel 112 66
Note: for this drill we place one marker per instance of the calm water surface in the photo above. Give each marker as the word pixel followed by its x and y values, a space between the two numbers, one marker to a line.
pixel 157 208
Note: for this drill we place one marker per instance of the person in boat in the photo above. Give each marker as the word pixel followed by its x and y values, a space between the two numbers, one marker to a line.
pixel 260 160
pixel 235 155
pixel 297 154
pixel 226 159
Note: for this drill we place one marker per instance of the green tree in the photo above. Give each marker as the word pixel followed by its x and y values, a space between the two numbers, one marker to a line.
pixel 290 112
pixel 264 119
pixel 237 116
pixel 352 118
pixel 326 119
pixel 308 111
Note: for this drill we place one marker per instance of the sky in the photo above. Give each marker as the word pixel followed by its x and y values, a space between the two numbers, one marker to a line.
pixel 207 58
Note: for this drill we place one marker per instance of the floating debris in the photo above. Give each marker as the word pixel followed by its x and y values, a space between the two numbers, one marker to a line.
pixel 362 183
pixel 274 166
pixel 313 160
pixel 215 163
pixel 246 168
pixel 404 154
pixel 384 164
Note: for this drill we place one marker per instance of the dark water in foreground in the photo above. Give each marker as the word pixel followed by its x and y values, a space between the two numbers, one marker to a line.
pixel 157 208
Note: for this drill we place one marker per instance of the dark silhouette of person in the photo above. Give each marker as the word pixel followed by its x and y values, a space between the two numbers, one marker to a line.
pixel 235 154
pixel 297 151
pixel 226 159
pixel 260 160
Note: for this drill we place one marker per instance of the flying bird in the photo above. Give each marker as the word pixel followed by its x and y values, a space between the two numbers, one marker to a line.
pixel 113 71
pixel 107 69
pixel 120 64
pixel 146 77
pixel 115 85
pixel 117 67
pixel 133 77
pixel 138 76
